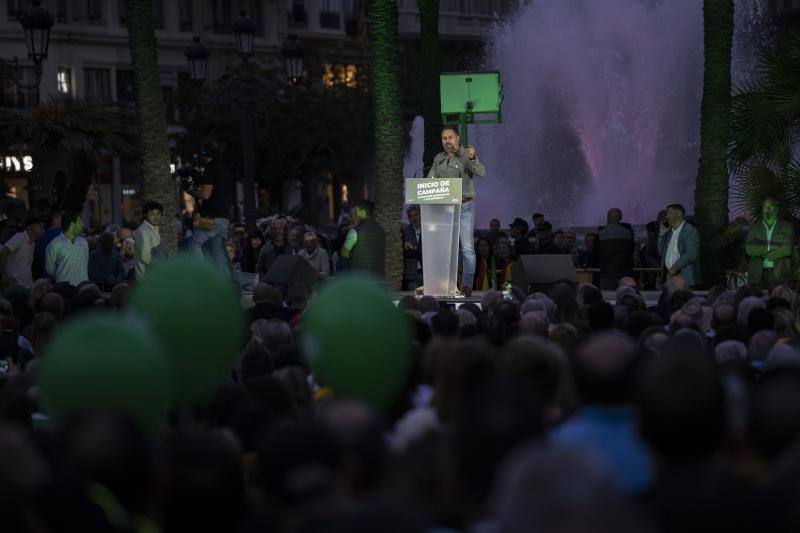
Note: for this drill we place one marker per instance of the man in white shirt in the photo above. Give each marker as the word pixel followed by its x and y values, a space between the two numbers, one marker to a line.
pixel 679 246
pixel 147 239
pixel 17 253
pixel 316 256
pixel 67 256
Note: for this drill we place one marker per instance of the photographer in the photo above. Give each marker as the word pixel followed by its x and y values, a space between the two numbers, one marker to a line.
pixel 213 186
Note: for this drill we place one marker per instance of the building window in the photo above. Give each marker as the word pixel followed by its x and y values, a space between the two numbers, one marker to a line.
pixel 256 14
pixel 186 15
pixel 298 18
pixel 158 14
pixel 329 15
pixel 170 106
pixel 126 90
pixel 17 85
pixel 94 11
pixel 64 81
pixel 338 75
pixel 98 83
pixel 61 11
pixel 222 16
pixel 15 9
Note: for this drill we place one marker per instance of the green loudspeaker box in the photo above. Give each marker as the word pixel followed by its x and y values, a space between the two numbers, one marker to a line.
pixel 478 95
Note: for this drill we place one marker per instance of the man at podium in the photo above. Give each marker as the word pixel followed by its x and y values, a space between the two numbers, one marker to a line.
pixel 459 162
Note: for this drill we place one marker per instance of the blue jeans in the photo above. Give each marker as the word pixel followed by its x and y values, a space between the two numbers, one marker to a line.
pixel 467 224
pixel 213 242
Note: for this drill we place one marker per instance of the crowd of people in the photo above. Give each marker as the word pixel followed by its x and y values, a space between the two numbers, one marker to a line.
pixel 670 247
pixel 551 411
pixel 555 412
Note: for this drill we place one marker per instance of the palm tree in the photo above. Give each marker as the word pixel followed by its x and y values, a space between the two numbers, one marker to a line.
pixel 388 130
pixel 431 68
pixel 764 156
pixel 711 186
pixel 157 183
pixel 62 129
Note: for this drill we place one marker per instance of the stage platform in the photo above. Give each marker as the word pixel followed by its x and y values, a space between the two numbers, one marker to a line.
pixel 650 297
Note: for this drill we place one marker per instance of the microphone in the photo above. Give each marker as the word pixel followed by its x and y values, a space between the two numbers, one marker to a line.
pixel 450 149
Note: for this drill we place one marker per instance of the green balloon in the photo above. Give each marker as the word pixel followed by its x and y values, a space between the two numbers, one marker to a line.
pixel 195 313
pixel 357 341
pixel 103 363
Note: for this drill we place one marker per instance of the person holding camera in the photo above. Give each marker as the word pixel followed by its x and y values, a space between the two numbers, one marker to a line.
pixel 213 187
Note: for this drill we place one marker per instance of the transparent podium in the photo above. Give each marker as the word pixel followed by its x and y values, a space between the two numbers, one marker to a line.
pixel 440 211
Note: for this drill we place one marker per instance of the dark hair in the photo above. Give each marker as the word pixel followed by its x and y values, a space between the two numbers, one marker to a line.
pixel 205 488
pixel 52 218
pixel 604 368
pixel 150 205
pixel 758 319
pixel 678 299
pixel 681 395
pixel 33 220
pixel 537 215
pixel 774 408
pixel 367 206
pixel 614 215
pixel 445 323
pixel 68 218
pixel 679 208
pixel 446 127
pixel 770 198
pixel 601 316
pixel 590 295
pixel 491 250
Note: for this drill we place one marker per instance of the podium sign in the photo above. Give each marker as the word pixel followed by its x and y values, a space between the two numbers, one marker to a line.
pixel 433 191
pixel 440 213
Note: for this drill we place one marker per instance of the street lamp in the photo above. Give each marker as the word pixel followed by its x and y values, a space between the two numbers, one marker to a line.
pixel 293 55
pixel 197 56
pixel 37 22
pixel 244 29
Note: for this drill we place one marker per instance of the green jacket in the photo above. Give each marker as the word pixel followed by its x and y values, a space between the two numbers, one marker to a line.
pixel 458 166
pixel 780 253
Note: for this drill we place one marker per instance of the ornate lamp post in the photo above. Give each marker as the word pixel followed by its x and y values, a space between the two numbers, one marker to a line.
pixel 293 54
pixel 244 30
pixel 197 56
pixel 37 23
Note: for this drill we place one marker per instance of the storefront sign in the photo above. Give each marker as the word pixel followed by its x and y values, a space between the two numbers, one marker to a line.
pixel 13 163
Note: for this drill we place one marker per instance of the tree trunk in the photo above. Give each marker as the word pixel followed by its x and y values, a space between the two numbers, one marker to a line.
pixel 388 131
pixel 711 187
pixel 157 182
pixel 431 68
pixel 46 163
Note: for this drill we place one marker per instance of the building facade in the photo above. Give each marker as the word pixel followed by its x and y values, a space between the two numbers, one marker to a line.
pixel 89 58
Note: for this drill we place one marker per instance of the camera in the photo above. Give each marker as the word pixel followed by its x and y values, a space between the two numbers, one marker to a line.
pixel 188 174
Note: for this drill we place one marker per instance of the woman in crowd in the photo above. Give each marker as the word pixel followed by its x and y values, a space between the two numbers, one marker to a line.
pixel 250 251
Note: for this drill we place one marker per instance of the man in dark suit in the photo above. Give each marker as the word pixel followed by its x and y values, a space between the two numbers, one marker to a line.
pixel 519 239
pixel 769 247
pixel 679 246
pixel 412 250
pixel 614 247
